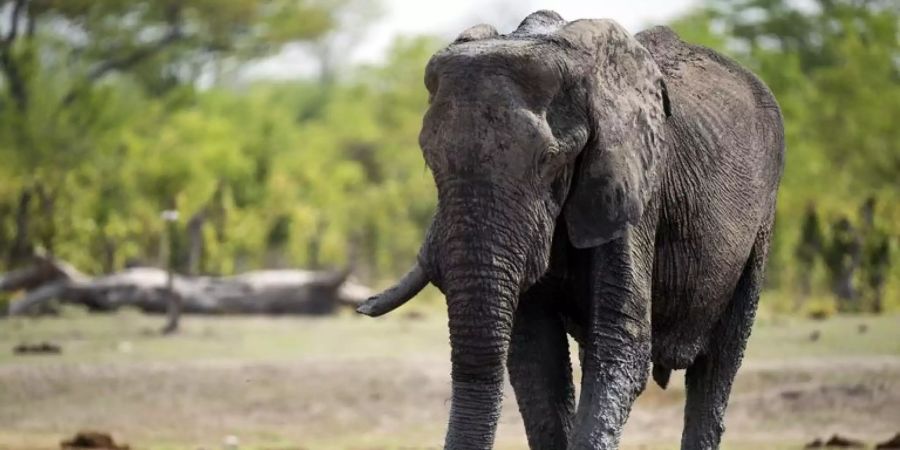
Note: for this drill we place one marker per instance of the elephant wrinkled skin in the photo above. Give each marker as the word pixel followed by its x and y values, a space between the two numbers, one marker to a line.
pixel 617 188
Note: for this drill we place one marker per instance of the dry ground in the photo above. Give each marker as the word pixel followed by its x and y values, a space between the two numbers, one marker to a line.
pixel 355 383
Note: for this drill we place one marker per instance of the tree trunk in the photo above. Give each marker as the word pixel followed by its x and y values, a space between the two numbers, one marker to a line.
pixel 173 300
pixel 47 206
pixel 173 303
pixel 147 289
pixel 195 241
pixel 21 247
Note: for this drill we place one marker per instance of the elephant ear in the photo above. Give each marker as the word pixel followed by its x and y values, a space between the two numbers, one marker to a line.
pixel 618 170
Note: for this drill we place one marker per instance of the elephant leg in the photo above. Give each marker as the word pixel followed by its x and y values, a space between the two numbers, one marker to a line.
pixel 616 361
pixel 708 380
pixel 540 370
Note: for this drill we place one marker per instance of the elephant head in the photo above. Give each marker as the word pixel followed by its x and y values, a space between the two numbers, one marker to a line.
pixel 558 123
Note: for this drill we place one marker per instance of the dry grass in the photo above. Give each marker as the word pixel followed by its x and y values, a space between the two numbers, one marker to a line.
pixel 353 383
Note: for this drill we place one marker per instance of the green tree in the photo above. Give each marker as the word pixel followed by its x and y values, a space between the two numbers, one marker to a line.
pixel 70 70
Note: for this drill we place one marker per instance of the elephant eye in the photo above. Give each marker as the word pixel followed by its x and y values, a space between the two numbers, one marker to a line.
pixel 550 161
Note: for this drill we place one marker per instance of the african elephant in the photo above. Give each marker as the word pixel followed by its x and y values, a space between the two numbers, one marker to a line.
pixel 619 188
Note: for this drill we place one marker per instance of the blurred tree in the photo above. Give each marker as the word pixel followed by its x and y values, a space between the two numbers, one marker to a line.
pixel 103 124
pixel 843 255
pixel 875 268
pixel 64 62
pixel 876 260
pixel 809 249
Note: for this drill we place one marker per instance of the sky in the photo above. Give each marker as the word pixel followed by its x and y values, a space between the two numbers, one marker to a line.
pixel 446 18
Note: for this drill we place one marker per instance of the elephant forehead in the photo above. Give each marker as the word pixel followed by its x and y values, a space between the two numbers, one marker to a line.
pixel 497 70
pixel 497 45
pixel 483 137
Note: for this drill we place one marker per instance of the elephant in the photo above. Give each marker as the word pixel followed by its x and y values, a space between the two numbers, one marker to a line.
pixel 617 188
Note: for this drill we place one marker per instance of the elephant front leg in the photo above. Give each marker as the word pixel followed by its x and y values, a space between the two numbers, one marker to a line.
pixel 540 370
pixel 616 360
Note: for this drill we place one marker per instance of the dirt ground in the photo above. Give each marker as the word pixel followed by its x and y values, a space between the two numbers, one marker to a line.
pixel 346 383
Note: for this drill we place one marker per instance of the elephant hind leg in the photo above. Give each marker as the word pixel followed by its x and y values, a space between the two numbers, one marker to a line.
pixel 708 380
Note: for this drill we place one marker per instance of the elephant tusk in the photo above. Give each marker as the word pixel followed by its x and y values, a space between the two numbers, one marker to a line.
pixel 395 296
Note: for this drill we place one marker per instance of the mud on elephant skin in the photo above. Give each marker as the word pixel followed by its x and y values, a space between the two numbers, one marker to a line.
pixel 619 188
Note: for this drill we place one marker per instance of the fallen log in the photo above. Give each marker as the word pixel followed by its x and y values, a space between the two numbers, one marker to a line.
pixel 41 271
pixel 144 288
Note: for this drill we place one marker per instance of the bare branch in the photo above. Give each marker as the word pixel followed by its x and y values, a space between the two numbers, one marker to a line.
pixel 38 297
pixel 10 69
pixel 174 35
pixel 135 57
pixel 14 23
pixel 30 24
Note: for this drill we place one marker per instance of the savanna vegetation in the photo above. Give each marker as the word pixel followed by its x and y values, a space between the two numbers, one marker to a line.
pixel 114 111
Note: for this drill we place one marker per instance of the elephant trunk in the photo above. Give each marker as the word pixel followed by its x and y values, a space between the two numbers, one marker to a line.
pixel 482 270
pixel 480 310
pixel 480 250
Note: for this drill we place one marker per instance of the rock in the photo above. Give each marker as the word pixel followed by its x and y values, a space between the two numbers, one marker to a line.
pixel 842 442
pixel 39 348
pixel 815 444
pixel 890 444
pixel 836 441
pixel 231 442
pixel 92 440
pixel 414 315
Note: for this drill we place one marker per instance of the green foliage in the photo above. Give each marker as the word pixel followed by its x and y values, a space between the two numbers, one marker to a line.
pixel 293 174
pixel 102 127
